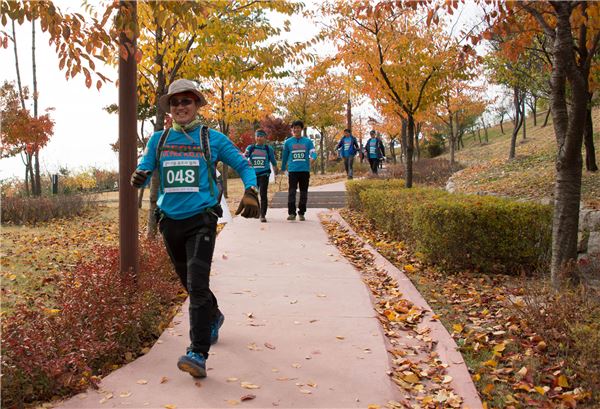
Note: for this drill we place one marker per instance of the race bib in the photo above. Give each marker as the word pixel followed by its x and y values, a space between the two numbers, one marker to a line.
pixel 346 146
pixel 298 153
pixel 181 175
pixel 259 159
pixel 372 150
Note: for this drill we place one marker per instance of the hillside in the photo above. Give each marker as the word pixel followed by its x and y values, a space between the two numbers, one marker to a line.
pixel 531 174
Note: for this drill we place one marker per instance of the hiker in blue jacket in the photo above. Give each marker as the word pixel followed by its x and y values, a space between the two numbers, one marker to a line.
pixel 185 156
pixel 375 151
pixel 348 147
pixel 261 156
pixel 298 154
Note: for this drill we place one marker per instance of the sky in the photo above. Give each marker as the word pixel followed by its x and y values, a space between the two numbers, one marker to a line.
pixel 83 131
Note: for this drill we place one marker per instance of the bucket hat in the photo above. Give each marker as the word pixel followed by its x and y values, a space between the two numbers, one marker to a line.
pixel 177 87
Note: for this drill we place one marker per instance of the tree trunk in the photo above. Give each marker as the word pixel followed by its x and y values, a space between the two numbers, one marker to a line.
pixel 393 151
pixel 349 114
pixel 36 155
pixel 524 116
pixel 321 143
pixel 548 112
pixel 534 109
pixel 403 141
pixel 128 211
pixel 159 125
pixel 21 96
pixel 588 138
pixel 408 165
pixel 452 140
pixel 502 124
pixel 568 128
pixel 517 123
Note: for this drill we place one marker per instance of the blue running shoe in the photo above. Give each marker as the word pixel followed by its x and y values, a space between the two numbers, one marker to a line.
pixel 193 363
pixel 214 328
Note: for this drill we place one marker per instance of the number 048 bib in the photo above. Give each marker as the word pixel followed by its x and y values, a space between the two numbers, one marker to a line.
pixel 180 175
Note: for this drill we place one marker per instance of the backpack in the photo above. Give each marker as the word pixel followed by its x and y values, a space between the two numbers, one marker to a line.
pixel 205 146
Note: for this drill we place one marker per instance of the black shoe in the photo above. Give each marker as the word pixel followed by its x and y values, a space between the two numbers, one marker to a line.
pixel 263 219
pixel 292 217
pixel 301 217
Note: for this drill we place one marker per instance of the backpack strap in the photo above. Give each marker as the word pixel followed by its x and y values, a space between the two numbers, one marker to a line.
pixel 161 143
pixel 251 151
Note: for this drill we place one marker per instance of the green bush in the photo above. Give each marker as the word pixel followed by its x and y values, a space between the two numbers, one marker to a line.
pixel 392 209
pixel 488 233
pixel 354 187
pixel 458 231
pixel 32 210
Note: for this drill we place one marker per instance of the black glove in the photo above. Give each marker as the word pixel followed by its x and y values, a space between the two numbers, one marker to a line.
pixel 139 177
pixel 249 204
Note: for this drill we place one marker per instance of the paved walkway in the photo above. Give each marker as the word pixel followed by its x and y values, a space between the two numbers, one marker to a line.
pixel 299 328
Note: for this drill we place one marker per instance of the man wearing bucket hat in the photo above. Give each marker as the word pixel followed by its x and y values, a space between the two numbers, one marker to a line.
pixel 261 158
pixel 185 156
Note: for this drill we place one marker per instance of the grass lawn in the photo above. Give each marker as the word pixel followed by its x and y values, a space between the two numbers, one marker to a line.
pixel 531 174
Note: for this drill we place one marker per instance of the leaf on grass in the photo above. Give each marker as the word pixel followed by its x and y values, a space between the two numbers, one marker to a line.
pixel 457 328
pixel 563 382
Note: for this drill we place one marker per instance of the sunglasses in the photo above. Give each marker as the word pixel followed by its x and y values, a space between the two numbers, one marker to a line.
pixel 183 101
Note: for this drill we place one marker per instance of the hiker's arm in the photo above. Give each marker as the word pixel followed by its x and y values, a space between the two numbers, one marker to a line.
pixel 147 162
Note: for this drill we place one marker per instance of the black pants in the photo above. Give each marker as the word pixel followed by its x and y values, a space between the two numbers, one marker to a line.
pixel 295 179
pixel 190 243
pixel 263 186
pixel 349 165
pixel 374 163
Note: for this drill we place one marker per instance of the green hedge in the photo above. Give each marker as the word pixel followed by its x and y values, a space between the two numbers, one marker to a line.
pixel 487 233
pixel 459 231
pixel 354 187
pixel 392 209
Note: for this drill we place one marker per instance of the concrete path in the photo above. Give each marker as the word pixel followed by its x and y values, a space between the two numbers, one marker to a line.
pixel 300 329
pixel 299 324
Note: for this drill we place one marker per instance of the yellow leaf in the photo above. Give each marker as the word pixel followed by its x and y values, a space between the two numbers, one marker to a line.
pixel 410 377
pixel 170 406
pixel 457 328
pixel 373 406
pixel 491 363
pixel 248 385
pixel 562 381
pixel 540 390
pixel 409 268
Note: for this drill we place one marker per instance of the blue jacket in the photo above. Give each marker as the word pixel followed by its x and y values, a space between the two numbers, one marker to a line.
pixel 374 149
pixel 260 157
pixel 348 146
pixel 298 151
pixel 184 179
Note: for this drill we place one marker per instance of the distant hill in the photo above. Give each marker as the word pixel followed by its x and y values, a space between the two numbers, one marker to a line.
pixel 531 174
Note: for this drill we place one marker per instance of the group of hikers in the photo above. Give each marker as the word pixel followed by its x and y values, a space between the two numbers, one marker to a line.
pixel 348 148
pixel 188 207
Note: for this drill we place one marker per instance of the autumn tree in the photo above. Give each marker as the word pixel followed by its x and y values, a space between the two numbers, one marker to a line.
pixel 398 58
pixel 573 31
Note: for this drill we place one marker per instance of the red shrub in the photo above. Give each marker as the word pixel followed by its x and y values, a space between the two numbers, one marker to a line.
pixel 98 316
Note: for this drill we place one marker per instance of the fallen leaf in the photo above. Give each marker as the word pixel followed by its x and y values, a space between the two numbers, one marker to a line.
pixel 296 365
pixel 164 379
pixel 447 379
pixel 270 346
pixel 373 406
pixel 306 391
pixel 248 385
pixel 293 301
pixel 247 397
pixel 124 394
pixel 232 379
pixel 170 406
pixel 106 398
pixel 233 402
pixel 142 382
pixel 198 384
pixel 340 337
pixel 562 381
pixel 224 256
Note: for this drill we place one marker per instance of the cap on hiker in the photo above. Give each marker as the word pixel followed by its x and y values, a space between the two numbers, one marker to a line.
pixel 372 132
pixel 177 87
pixel 260 132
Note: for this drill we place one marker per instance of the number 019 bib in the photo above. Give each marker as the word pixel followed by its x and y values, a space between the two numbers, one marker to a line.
pixel 180 175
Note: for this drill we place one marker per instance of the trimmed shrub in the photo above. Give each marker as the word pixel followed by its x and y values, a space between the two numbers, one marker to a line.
pixel 97 317
pixel 431 172
pixel 488 233
pixel 354 187
pixel 392 210
pixel 32 210
pixel 458 231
